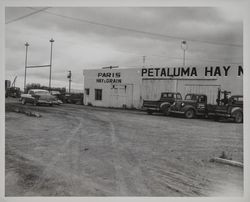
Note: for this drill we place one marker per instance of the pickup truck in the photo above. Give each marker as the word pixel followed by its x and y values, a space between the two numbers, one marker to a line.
pixel 233 109
pixel 163 104
pixel 196 105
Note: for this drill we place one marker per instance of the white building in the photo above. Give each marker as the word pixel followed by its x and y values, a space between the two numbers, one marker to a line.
pixel 129 87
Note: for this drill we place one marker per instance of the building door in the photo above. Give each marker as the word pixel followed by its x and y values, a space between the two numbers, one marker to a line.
pixel 122 96
pixel 210 90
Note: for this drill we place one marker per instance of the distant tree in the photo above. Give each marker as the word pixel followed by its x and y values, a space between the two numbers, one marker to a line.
pixel 38 86
pixel 33 86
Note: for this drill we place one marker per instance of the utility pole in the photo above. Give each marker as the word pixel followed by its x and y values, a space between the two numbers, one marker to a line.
pixel 38 66
pixel 69 77
pixel 184 47
pixel 26 47
pixel 51 42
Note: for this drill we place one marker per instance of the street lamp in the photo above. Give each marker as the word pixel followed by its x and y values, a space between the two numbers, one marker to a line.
pixel 51 41
pixel 69 77
pixel 26 47
pixel 184 47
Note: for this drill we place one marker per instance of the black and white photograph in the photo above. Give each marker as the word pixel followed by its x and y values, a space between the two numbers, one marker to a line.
pixel 115 101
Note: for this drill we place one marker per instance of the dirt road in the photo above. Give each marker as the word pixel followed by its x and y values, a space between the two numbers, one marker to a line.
pixel 75 150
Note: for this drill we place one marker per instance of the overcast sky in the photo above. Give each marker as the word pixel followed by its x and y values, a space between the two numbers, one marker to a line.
pixel 90 38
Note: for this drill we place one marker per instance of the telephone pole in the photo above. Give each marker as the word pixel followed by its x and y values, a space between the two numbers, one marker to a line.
pixel 26 47
pixel 37 66
pixel 51 42
pixel 69 77
pixel 184 47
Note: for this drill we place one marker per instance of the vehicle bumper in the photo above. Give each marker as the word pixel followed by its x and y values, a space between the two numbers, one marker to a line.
pixel 44 102
pixel 151 109
pixel 57 102
pixel 176 112
pixel 223 115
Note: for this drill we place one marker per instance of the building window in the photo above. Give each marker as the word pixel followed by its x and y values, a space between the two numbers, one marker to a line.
pixel 87 91
pixel 98 94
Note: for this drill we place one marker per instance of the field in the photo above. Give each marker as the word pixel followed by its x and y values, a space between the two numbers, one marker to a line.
pixel 75 150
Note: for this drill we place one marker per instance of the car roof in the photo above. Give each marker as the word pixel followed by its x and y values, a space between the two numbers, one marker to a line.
pixel 195 94
pixel 39 90
pixel 55 91
pixel 171 92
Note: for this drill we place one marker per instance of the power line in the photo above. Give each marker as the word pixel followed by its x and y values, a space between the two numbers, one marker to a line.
pixel 24 16
pixel 179 58
pixel 128 52
pixel 138 31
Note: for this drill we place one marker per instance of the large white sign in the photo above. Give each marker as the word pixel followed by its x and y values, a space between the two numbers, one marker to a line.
pixel 109 77
pixel 212 71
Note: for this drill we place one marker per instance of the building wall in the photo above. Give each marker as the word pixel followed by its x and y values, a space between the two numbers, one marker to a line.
pixel 123 91
pixel 129 87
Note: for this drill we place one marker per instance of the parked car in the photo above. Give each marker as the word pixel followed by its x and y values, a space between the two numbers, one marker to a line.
pixel 58 97
pixel 74 98
pixel 14 92
pixel 163 104
pixel 38 96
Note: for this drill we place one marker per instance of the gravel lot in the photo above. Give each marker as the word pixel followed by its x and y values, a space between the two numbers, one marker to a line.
pixel 75 150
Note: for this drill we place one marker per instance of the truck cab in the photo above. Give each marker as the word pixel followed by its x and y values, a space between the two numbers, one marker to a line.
pixel 192 105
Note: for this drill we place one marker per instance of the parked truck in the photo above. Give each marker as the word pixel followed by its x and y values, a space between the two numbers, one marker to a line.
pixel 162 105
pixel 196 105
pixel 233 109
pixel 193 105
pixel 11 90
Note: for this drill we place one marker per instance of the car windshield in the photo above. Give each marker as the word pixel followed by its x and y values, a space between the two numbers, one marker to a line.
pixel 42 93
pixel 55 92
pixel 167 95
pixel 188 97
pixel 191 97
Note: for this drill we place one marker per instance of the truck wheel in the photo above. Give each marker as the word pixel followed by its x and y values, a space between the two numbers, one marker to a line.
pixel 166 111
pixel 238 117
pixel 149 112
pixel 23 101
pixel 189 114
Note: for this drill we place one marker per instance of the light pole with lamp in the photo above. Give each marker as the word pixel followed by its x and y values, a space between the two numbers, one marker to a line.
pixel 69 77
pixel 26 47
pixel 184 47
pixel 51 41
pixel 38 66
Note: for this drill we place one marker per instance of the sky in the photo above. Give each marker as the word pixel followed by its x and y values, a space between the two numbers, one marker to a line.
pixel 96 37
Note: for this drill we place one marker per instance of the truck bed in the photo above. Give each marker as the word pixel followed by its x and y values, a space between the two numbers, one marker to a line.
pixel 154 104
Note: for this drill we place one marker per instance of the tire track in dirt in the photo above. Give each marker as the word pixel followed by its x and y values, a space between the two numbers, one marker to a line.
pixel 74 163
pixel 121 184
pixel 57 156
pixel 120 179
pixel 135 178
pixel 74 178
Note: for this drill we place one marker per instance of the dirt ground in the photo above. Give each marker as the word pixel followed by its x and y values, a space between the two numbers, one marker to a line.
pixel 75 150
